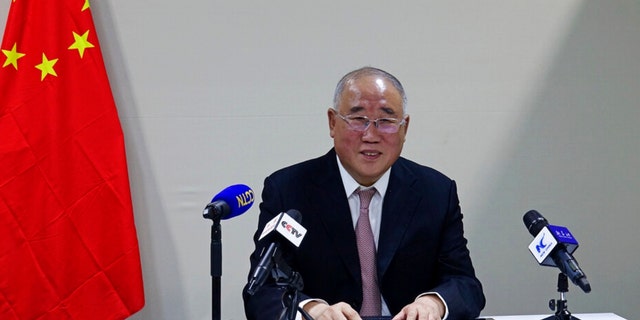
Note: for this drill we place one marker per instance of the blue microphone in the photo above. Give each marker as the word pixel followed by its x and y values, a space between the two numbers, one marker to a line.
pixel 230 202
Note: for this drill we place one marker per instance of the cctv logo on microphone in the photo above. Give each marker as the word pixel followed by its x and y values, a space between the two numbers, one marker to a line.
pixel 288 227
pixel 291 229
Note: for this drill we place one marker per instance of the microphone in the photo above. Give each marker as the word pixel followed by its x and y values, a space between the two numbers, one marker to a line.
pixel 286 224
pixel 553 246
pixel 230 202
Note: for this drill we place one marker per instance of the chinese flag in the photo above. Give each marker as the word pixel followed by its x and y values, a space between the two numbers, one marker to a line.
pixel 68 245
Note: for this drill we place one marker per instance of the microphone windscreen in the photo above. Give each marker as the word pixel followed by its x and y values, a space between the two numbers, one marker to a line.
pixel 239 197
pixel 534 222
pixel 295 214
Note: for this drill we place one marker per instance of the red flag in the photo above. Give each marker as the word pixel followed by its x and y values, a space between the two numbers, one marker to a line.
pixel 68 246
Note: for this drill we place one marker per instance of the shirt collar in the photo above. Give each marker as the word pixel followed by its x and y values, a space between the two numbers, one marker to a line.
pixel 351 185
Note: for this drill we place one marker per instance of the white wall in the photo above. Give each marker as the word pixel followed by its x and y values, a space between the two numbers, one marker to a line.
pixel 526 104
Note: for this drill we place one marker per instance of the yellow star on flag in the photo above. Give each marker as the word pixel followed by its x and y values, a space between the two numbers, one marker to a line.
pixel 47 67
pixel 12 57
pixel 85 6
pixel 81 43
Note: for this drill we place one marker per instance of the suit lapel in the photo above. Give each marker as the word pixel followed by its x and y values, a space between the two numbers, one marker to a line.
pixel 399 206
pixel 329 196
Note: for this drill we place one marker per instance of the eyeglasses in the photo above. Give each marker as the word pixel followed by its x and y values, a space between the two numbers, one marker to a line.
pixel 361 123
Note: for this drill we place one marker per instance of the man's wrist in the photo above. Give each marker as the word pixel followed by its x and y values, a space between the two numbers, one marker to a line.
pixel 437 298
pixel 309 304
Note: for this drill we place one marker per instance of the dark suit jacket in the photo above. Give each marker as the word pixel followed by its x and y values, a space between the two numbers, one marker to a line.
pixel 421 245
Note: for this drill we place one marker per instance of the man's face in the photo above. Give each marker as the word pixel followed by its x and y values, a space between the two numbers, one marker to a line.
pixel 367 155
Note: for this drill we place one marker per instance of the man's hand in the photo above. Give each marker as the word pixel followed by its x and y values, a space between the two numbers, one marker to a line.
pixel 427 307
pixel 339 311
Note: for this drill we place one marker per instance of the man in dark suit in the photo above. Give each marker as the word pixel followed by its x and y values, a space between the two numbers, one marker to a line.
pixel 422 265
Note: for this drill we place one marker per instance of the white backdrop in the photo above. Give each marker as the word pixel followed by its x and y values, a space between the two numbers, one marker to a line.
pixel 526 104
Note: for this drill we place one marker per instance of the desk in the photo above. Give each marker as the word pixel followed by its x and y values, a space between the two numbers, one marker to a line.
pixel 581 316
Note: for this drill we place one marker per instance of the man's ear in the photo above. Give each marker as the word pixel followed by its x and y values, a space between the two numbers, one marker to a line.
pixel 407 122
pixel 332 121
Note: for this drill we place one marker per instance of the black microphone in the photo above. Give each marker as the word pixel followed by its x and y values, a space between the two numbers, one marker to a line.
pixel 556 243
pixel 230 202
pixel 285 225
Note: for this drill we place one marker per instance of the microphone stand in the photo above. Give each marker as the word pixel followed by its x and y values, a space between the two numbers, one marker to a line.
pixel 292 280
pixel 216 258
pixel 560 305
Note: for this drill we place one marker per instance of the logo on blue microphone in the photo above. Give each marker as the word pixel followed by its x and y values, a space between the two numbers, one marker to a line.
pixel 543 244
pixel 563 235
pixel 245 199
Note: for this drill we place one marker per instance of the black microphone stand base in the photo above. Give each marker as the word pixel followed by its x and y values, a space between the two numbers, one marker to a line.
pixel 560 305
pixel 554 317
pixel 562 313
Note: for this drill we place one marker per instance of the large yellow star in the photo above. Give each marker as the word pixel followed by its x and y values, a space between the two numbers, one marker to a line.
pixel 12 57
pixel 86 5
pixel 81 43
pixel 47 67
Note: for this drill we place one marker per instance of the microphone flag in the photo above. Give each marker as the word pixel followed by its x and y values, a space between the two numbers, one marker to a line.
pixel 549 238
pixel 287 227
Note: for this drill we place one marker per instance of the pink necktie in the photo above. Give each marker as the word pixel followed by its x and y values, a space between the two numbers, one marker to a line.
pixel 371 305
